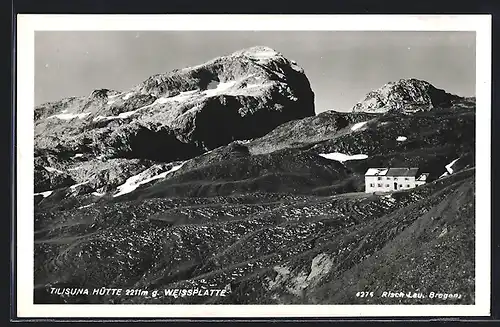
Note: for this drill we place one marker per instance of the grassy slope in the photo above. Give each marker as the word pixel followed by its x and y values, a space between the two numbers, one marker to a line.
pixel 265 252
pixel 278 247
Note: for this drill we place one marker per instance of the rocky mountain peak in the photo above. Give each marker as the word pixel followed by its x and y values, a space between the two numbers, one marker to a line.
pixel 253 66
pixel 405 95
pixel 263 55
pixel 184 112
pixel 257 52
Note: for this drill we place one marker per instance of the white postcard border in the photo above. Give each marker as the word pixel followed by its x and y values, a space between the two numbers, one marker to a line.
pixel 28 24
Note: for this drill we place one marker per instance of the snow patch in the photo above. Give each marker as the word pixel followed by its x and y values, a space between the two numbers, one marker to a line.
pixel 243 141
pixel 70 116
pixel 261 54
pixel 221 87
pixel 111 102
pixel 98 194
pixel 86 206
pixel 79 184
pixel 101 118
pixel 75 168
pixel 401 138
pixel 78 155
pixel 50 169
pixel 122 115
pixel 183 96
pixel 133 182
pixel 448 166
pixel 178 98
pixel 252 86
pixel 162 100
pixel 444 174
pixel 127 114
pixel 128 96
pixel 341 157
pixel 265 54
pixel 358 126
pixel 44 194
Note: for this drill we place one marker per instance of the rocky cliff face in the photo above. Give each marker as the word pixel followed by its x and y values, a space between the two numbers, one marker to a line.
pixel 405 95
pixel 173 116
pixel 182 113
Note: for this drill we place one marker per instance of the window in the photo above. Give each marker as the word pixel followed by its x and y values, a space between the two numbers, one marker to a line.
pixel 386 185
pixel 400 185
pixel 388 178
pixel 372 185
pixel 395 178
pixel 407 185
pixel 379 178
pixel 407 179
pixel 379 185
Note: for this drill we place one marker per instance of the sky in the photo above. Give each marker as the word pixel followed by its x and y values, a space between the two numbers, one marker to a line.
pixel 342 66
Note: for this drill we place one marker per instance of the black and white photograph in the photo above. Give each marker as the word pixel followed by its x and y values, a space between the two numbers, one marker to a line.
pixel 255 166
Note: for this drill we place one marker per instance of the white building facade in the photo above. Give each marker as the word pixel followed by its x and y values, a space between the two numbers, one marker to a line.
pixel 393 179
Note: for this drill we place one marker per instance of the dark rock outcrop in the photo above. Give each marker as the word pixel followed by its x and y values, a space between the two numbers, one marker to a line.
pixel 301 132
